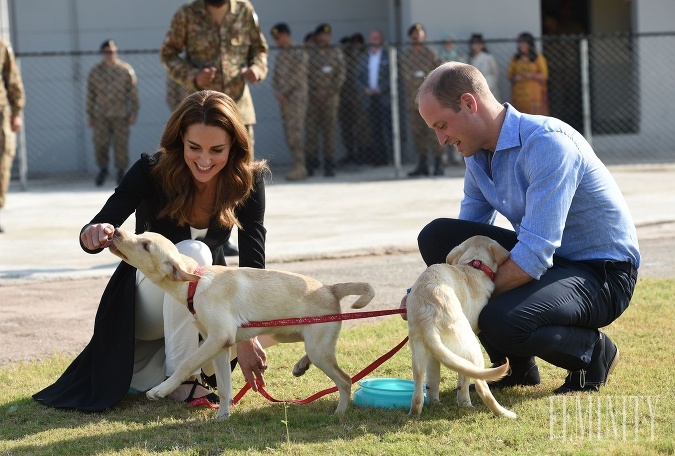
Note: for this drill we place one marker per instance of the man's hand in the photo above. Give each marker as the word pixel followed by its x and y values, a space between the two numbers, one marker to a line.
pixel 509 276
pixel 204 77
pixel 250 74
pixel 17 123
pixel 253 362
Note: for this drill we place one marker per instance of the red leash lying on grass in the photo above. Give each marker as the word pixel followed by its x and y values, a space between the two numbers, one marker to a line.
pixel 322 319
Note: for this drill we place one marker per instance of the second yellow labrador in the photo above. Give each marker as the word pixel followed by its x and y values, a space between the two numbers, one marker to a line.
pixel 443 308
pixel 225 298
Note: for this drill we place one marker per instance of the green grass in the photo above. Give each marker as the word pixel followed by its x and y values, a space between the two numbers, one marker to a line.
pixel 137 426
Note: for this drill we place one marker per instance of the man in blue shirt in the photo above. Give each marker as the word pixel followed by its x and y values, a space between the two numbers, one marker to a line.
pixel 574 249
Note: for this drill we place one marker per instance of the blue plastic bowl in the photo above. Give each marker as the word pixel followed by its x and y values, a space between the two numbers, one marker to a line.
pixel 387 393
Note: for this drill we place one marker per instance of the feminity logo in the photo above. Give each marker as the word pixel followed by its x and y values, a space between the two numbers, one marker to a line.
pixel 594 417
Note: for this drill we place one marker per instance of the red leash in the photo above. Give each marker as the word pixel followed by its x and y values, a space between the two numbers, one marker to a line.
pixel 323 319
pixel 374 365
pixel 320 318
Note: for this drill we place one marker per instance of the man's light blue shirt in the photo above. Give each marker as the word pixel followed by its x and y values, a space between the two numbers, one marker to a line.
pixel 556 193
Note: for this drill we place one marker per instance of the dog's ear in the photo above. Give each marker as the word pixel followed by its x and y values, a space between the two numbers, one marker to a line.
pixel 180 272
pixel 454 254
pixel 499 253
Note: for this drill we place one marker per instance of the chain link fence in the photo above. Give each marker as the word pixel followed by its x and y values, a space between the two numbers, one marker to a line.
pixel 611 88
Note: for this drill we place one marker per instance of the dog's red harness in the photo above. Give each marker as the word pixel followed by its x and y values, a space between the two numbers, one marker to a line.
pixel 192 287
pixel 478 264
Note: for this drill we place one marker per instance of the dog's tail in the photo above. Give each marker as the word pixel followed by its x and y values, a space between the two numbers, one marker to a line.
pixel 362 289
pixel 458 364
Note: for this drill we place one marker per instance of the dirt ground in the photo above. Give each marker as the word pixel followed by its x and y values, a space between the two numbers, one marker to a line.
pixel 41 318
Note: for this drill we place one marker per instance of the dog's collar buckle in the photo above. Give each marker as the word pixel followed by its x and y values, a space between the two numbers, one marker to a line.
pixel 192 288
pixel 478 264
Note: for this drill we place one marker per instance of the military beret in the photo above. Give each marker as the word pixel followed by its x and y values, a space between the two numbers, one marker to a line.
pixel 322 28
pixel 415 26
pixel 280 28
pixel 108 44
pixel 476 38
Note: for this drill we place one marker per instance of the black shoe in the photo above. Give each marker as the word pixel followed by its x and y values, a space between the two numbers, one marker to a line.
pixel 523 374
pixel 328 167
pixel 526 374
pixel 604 359
pixel 419 171
pixel 2 230
pixel 120 175
pixel 438 167
pixel 230 249
pixel 100 178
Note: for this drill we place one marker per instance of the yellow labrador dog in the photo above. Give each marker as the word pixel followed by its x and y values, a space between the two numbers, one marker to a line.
pixel 227 297
pixel 443 308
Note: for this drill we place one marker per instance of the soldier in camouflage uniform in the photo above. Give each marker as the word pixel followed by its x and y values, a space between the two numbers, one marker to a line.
pixel 12 101
pixel 327 72
pixel 112 106
pixel 223 50
pixel 175 93
pixel 290 89
pixel 415 63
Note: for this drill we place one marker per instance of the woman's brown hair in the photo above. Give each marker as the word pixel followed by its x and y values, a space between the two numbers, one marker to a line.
pixel 235 181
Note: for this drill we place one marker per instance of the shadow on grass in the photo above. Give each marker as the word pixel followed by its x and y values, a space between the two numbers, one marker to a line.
pixel 254 424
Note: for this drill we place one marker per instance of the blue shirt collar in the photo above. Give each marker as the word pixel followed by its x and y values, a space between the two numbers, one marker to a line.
pixel 509 136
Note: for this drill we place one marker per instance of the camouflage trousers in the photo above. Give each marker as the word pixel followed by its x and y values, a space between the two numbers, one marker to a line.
pixel 321 120
pixel 251 139
pixel 424 138
pixel 293 114
pixel 7 152
pixel 115 130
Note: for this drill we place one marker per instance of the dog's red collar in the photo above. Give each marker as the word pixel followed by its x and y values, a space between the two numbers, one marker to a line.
pixel 192 287
pixel 478 264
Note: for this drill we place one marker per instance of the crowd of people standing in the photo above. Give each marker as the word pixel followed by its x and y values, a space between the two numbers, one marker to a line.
pixel 323 89
pixel 328 88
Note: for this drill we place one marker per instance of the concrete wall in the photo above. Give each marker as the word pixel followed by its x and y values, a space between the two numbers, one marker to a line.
pixel 55 85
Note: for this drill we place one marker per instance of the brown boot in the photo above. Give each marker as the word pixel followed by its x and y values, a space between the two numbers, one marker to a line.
pixel 298 172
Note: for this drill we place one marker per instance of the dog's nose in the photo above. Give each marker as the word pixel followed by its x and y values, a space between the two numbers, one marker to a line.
pixel 116 232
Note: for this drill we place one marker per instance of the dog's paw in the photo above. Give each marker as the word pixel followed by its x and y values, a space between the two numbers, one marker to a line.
pixel 301 366
pixel 464 403
pixel 223 414
pixel 154 394
pixel 509 414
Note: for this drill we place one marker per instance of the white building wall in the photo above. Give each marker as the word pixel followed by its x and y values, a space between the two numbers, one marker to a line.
pixel 494 19
pixel 55 95
pixel 81 25
pixel 656 101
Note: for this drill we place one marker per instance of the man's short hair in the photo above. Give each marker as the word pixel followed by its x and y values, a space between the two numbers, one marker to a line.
pixel 450 80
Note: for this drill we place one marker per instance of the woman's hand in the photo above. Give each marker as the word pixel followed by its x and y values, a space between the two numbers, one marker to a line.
pixel 253 361
pixel 96 235
pixel 404 306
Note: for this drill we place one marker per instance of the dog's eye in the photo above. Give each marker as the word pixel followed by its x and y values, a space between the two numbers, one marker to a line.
pixel 146 246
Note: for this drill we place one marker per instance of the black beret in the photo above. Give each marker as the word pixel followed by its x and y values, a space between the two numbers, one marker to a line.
pixel 415 26
pixel 280 28
pixel 108 44
pixel 322 28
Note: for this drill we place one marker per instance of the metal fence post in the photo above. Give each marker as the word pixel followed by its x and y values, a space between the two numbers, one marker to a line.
pixel 395 125
pixel 585 90
pixel 21 149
